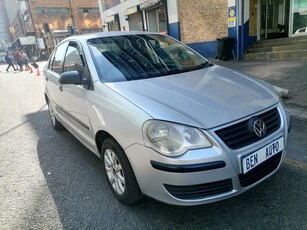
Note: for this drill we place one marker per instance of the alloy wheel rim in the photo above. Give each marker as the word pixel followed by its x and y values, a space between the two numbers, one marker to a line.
pixel 114 171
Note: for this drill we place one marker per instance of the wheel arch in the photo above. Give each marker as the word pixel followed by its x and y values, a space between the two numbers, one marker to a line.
pixel 100 137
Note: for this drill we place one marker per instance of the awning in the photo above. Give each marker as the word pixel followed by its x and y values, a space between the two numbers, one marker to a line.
pixel 150 3
pixel 132 10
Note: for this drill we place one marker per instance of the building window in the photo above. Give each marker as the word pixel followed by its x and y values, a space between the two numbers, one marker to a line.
pixel 88 10
pixel 111 3
pixel 51 10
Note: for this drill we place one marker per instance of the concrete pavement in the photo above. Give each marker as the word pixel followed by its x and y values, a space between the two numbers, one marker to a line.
pixel 286 74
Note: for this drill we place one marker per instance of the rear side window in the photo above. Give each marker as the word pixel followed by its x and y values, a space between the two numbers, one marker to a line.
pixel 59 58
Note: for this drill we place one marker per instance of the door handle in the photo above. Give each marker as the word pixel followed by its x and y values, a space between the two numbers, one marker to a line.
pixel 61 88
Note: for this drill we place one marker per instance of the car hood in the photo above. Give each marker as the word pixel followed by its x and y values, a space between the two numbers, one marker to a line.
pixel 204 98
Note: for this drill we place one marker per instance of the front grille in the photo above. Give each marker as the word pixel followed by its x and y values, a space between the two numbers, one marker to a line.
pixel 260 171
pixel 200 190
pixel 240 135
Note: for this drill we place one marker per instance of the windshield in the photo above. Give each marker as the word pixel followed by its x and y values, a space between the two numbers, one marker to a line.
pixel 135 57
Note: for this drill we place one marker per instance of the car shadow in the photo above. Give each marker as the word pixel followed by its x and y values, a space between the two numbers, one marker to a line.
pixel 84 201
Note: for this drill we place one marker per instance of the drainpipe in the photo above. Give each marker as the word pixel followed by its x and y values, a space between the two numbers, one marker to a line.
pixel 242 31
pixel 237 28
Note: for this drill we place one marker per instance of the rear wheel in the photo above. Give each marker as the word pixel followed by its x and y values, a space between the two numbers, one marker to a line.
pixel 55 123
pixel 119 173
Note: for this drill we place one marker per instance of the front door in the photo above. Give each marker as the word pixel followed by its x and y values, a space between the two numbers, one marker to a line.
pixel 74 97
pixel 274 18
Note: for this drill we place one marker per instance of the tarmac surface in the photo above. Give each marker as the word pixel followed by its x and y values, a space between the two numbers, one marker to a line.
pixel 48 180
pixel 287 74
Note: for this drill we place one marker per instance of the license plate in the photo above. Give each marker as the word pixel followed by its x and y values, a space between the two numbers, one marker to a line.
pixel 252 160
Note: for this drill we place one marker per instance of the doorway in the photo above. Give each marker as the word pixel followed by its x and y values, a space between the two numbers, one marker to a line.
pixel 274 18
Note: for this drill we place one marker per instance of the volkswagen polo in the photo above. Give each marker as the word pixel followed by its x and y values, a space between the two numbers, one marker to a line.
pixel 165 121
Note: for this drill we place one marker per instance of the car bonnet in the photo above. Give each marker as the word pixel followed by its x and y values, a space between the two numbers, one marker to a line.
pixel 203 98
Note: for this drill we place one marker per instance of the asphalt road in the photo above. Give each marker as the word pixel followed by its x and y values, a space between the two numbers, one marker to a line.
pixel 48 180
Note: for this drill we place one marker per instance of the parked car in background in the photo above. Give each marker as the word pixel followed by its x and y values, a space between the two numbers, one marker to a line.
pixel 165 121
pixel 301 31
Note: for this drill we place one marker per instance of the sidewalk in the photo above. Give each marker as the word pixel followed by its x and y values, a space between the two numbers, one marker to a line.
pixel 288 74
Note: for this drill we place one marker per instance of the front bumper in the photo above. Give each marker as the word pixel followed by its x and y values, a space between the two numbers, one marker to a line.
pixel 203 175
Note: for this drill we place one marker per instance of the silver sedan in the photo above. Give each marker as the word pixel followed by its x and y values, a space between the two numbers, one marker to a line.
pixel 165 121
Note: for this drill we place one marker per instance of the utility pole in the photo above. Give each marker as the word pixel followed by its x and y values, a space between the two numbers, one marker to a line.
pixel 71 13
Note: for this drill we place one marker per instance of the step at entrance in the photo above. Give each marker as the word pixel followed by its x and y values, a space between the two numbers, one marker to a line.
pixel 282 48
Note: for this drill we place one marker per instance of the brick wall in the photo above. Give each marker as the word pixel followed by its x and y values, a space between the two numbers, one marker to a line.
pixel 202 20
pixel 253 17
pixel 61 21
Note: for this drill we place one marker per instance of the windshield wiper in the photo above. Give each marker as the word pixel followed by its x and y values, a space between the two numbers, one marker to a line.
pixel 202 65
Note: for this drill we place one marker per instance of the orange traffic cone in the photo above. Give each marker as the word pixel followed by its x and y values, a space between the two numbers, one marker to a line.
pixel 37 72
pixel 27 68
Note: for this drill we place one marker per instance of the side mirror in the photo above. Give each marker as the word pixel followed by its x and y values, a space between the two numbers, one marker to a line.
pixel 70 77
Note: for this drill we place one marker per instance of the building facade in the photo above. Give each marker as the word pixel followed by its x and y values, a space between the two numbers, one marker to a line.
pixel 199 23
pixel 41 24
pixel 5 35
pixel 58 17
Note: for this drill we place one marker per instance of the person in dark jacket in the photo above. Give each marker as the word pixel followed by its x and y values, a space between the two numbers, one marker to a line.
pixel 8 60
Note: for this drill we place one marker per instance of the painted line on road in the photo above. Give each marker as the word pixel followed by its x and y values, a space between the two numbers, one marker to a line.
pixel 296 163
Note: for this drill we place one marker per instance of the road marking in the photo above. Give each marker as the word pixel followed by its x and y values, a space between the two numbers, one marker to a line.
pixel 296 163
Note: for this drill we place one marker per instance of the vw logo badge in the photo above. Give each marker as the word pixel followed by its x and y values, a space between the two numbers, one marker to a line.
pixel 259 127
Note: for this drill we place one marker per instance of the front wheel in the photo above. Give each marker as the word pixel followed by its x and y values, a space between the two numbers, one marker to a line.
pixel 55 123
pixel 119 173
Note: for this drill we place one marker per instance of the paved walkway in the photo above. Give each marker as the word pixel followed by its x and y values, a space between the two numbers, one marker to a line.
pixel 288 74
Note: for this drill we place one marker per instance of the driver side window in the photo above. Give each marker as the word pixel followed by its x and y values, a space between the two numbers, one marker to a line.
pixel 73 60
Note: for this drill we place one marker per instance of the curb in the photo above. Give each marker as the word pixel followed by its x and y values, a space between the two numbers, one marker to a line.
pixel 297 112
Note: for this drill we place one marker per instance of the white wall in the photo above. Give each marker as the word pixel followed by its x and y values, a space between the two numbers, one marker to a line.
pixel 172 8
pixel 119 9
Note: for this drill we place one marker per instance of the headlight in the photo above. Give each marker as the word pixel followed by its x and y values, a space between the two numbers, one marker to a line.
pixel 172 139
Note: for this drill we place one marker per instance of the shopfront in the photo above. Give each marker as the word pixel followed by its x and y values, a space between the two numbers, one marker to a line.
pixel 156 15
pixel 282 18
pixel 135 18
pixel 274 19
pixel 113 23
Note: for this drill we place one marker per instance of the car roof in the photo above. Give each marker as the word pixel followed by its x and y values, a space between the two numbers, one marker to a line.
pixel 86 37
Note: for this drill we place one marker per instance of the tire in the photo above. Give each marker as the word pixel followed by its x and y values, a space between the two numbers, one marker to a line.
pixel 55 123
pixel 119 173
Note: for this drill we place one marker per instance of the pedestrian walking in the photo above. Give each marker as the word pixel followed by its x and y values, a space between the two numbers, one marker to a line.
pixel 13 58
pixel 9 62
pixel 25 59
pixel 18 57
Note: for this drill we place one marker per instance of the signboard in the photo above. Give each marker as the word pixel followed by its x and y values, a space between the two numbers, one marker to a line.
pixel 148 3
pixel 232 17
pixel 110 19
pixel 40 43
pixel 131 10
pixel 29 40
pixel 12 30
